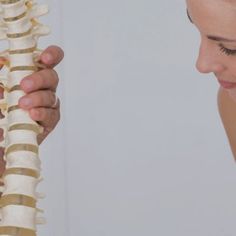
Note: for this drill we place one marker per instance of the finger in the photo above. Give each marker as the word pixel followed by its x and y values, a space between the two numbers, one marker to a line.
pixel 52 56
pixel 2 163
pixel 1 114
pixel 3 61
pixel 47 117
pixel 1 134
pixel 44 79
pixel 41 98
pixel 1 92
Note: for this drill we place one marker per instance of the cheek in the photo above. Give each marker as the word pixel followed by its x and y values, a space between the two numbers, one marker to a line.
pixel 228 72
pixel 232 94
pixel 233 71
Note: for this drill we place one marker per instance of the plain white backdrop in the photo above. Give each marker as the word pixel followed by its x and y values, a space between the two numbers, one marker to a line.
pixel 140 149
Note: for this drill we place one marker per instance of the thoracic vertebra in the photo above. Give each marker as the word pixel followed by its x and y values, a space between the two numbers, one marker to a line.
pixel 18 201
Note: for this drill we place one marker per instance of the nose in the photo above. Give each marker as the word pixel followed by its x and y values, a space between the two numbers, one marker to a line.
pixel 209 59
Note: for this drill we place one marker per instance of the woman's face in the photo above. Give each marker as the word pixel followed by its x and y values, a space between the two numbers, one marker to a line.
pixel 216 22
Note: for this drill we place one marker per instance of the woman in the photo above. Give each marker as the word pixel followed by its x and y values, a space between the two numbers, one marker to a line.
pixel 215 20
pixel 40 100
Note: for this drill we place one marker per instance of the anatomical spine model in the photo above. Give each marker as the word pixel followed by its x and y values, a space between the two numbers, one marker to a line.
pixel 18 211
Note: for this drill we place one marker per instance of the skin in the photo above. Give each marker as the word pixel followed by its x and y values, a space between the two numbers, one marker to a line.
pixel 40 89
pixel 217 18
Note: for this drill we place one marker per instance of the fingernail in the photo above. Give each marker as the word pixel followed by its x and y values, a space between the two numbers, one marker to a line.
pixel 26 102
pixel 47 58
pixel 27 84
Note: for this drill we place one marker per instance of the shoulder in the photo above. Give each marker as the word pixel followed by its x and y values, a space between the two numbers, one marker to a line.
pixel 227 110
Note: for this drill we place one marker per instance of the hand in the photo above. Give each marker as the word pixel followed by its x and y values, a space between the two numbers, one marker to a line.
pixel 40 89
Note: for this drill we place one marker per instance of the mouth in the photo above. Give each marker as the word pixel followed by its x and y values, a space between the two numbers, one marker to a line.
pixel 226 84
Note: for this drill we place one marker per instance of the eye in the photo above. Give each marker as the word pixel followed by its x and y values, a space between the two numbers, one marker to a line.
pixel 227 51
pixel 190 19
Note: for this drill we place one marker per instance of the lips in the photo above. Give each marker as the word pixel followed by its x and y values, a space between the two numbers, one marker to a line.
pixel 226 84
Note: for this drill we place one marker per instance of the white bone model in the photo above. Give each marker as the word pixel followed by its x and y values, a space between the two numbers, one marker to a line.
pixel 18 211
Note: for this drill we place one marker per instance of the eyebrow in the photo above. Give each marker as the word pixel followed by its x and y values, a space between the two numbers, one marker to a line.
pixel 215 38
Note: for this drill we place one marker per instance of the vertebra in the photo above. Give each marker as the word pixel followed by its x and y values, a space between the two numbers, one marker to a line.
pixel 19 197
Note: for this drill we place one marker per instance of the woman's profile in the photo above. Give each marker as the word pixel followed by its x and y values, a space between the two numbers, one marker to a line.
pixel 215 20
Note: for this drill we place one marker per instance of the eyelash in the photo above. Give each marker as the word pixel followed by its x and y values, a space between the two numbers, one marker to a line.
pixel 227 51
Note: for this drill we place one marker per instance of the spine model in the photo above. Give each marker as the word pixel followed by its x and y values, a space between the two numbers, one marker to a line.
pixel 19 26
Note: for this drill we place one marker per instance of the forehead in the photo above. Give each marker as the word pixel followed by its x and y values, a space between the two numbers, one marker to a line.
pixel 215 17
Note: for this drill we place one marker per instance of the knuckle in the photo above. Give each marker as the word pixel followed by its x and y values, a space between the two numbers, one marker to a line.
pixel 40 99
pixel 58 116
pixel 43 113
pixel 61 53
pixel 55 76
pixel 50 75
pixel 36 97
pixel 57 50
pixel 52 98
pixel 39 78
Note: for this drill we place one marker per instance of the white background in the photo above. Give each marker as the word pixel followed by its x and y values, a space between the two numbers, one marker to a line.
pixel 140 149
